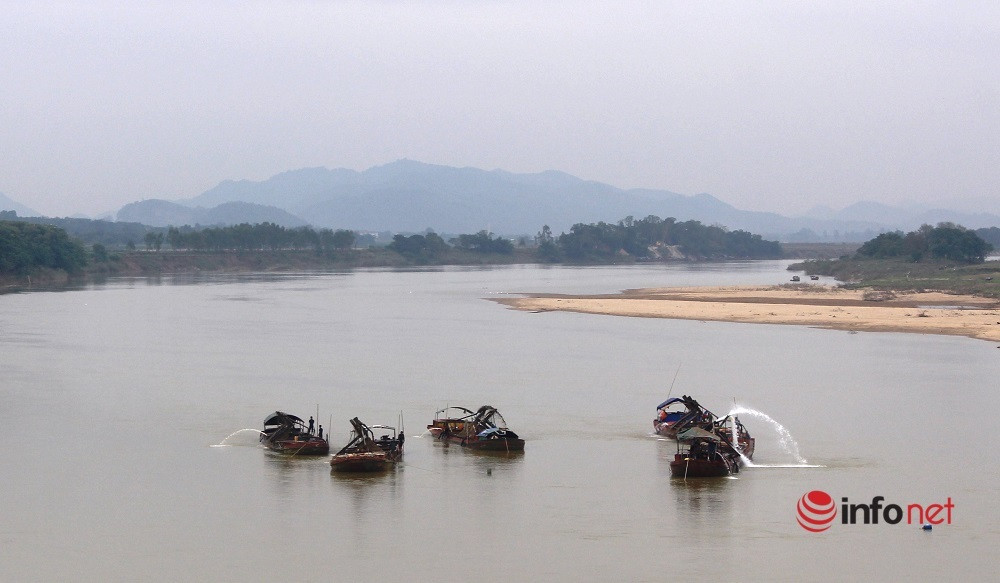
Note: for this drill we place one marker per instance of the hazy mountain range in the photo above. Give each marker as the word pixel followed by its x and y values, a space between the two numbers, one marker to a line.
pixel 162 213
pixel 408 196
pixel 7 204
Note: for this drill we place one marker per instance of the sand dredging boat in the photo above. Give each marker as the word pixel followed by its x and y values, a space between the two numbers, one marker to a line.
pixel 366 453
pixel 287 433
pixel 707 446
pixel 484 429
pixel 703 454
pixel 678 414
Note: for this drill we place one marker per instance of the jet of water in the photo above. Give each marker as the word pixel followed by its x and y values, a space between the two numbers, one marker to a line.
pixel 785 438
pixel 736 442
pixel 223 442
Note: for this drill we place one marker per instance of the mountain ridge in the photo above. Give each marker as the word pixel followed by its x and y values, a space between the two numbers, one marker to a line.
pixel 163 213
pixel 8 204
pixel 411 196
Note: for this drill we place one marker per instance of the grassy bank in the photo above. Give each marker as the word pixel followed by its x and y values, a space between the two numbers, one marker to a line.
pixel 897 275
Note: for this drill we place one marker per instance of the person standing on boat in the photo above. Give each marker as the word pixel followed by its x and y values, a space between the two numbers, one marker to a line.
pixel 321 432
pixel 312 425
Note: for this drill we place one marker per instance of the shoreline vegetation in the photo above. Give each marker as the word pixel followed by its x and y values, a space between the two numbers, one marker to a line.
pixel 33 253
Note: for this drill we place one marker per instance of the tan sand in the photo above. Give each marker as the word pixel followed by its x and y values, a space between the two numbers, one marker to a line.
pixel 805 305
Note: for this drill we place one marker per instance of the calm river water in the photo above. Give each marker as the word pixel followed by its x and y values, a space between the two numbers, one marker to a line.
pixel 117 397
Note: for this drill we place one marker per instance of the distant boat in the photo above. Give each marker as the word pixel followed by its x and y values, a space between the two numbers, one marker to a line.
pixel 795 278
pixel 483 429
pixel 679 413
pixel 286 433
pixel 814 277
pixel 365 453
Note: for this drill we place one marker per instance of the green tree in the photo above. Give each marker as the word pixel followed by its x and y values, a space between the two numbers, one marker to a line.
pixel 175 238
pixel 632 239
pixel 342 239
pixel 100 253
pixel 946 242
pixel 150 240
pixel 484 242
pixel 885 245
pixel 957 244
pixel 27 246
pixel 548 251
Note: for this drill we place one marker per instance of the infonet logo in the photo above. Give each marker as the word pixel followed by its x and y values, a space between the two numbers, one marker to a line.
pixel 816 511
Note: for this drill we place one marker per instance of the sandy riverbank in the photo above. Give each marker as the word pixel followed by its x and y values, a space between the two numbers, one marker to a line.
pixel 817 306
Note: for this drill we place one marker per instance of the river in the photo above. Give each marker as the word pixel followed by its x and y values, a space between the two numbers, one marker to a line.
pixel 124 458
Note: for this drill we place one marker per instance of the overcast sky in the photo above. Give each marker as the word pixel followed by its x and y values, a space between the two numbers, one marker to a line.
pixel 767 105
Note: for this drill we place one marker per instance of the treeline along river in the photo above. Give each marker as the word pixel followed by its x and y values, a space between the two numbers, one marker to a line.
pixel 116 397
pixel 27 244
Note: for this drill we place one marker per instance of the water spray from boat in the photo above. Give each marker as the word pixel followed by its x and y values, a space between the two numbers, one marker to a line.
pixel 786 440
pixel 426 432
pixel 736 443
pixel 223 442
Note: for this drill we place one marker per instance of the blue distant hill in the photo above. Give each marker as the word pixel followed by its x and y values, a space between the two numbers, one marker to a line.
pixel 163 213
pixel 7 204
pixel 410 196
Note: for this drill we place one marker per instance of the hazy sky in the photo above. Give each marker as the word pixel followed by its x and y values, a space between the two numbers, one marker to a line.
pixel 767 105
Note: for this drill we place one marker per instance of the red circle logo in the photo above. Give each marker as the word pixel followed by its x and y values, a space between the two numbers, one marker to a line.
pixel 816 511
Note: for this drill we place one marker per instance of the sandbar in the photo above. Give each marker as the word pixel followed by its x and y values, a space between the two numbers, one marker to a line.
pixel 817 306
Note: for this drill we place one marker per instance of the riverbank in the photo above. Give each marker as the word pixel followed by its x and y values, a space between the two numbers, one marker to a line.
pixel 155 263
pixel 806 305
pixel 975 279
pixel 145 263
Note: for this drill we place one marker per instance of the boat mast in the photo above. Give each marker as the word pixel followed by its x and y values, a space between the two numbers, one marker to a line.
pixel 670 392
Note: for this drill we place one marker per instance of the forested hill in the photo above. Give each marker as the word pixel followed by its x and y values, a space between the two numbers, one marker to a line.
pixel 653 238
